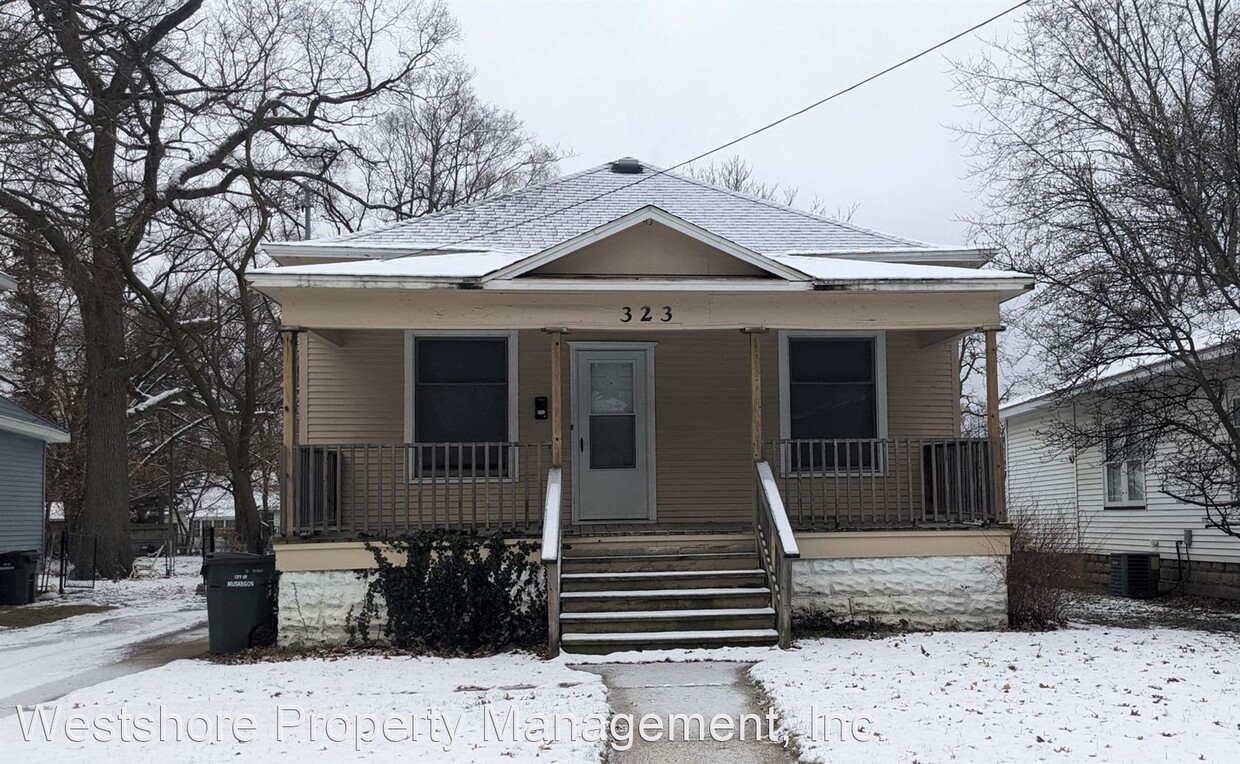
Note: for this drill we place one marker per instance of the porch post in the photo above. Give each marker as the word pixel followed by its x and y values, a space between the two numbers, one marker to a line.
pixel 992 421
pixel 556 398
pixel 288 447
pixel 755 390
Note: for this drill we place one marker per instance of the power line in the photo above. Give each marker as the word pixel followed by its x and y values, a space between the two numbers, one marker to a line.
pixel 734 141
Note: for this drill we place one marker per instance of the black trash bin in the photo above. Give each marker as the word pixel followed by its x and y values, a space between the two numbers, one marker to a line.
pixel 241 594
pixel 18 571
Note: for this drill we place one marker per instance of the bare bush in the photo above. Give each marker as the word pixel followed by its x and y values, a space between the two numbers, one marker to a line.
pixel 1045 566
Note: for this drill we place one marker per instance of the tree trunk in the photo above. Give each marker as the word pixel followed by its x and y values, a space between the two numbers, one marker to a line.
pixel 250 531
pixel 106 513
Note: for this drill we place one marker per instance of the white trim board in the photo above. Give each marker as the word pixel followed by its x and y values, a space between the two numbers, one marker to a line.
pixel 514 397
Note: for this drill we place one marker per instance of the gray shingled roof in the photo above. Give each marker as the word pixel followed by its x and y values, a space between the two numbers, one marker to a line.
pixel 531 220
pixel 14 418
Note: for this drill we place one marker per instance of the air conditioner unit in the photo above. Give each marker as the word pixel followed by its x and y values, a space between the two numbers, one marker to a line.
pixel 1134 574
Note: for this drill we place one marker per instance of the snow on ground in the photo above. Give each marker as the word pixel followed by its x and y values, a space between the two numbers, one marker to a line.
pixel 473 696
pixel 1100 693
pixel 144 610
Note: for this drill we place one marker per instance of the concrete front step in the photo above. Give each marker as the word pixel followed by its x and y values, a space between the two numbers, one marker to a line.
pixel 608 642
pixel 668 620
pixel 640 562
pixel 664 599
pixel 664 579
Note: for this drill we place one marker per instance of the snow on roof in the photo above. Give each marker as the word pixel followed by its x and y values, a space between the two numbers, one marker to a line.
pixel 846 269
pixel 15 419
pixel 456 265
pixel 480 265
pixel 1208 346
pixel 530 220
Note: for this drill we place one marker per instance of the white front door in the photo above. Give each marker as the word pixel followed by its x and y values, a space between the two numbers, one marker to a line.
pixel 612 456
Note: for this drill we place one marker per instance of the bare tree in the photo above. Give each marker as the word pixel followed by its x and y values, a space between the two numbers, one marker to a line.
pixel 1110 159
pixel 736 174
pixel 437 145
pixel 113 113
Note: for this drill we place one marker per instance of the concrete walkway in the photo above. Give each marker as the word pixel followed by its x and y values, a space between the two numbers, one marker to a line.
pixel 707 688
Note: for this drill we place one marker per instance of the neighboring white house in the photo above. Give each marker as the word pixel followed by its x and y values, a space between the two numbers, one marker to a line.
pixel 1108 502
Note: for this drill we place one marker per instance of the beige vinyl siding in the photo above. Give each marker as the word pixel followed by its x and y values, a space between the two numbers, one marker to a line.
pixel 1103 531
pixel 649 250
pixel 355 394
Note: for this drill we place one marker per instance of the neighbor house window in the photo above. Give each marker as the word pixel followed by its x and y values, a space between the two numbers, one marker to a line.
pixel 1124 469
pixel 462 397
pixel 834 392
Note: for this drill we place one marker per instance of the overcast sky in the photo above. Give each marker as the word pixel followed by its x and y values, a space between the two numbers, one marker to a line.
pixel 664 81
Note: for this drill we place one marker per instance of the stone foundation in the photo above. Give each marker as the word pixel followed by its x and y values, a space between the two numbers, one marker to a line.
pixel 965 592
pixel 315 606
pixel 1201 579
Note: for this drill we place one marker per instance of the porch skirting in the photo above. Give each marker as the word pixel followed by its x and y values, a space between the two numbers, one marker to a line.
pixel 316 606
pixel 958 592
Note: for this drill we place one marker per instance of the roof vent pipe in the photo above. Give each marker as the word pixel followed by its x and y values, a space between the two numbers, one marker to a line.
pixel 626 166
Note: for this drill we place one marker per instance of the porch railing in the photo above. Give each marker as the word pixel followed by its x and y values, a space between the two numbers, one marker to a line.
pixel 383 489
pixel 883 483
pixel 777 547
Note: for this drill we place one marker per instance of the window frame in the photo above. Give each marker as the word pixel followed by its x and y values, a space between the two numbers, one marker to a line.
pixel 879 338
pixel 1123 465
pixel 514 398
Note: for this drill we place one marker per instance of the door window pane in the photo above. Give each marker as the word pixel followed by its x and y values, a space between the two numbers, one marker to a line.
pixel 613 441
pixel 611 388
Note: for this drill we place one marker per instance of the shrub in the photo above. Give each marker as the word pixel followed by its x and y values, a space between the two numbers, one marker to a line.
pixel 1045 565
pixel 453 591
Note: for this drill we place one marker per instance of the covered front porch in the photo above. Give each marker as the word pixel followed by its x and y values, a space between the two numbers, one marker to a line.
pixel 653 432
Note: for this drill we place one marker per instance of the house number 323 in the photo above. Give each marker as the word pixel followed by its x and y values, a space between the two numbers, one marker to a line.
pixel 646 314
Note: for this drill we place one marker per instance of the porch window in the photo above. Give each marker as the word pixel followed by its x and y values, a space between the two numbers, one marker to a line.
pixel 461 395
pixel 834 400
pixel 1124 469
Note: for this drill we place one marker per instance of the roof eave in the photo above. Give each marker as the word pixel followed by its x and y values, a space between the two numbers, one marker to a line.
pixel 33 430
pixel 7 282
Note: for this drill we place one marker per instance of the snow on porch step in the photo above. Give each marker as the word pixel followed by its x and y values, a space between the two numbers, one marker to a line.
pixel 657 640
pixel 668 620
pixel 669 579
pixel 636 600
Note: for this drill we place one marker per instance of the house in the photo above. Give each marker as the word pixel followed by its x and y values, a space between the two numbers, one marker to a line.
pixel 715 411
pixel 1106 500
pixel 23 445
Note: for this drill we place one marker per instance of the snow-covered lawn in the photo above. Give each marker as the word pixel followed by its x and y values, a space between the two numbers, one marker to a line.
pixel 1088 693
pixel 1096 691
pixel 461 710
pixel 143 610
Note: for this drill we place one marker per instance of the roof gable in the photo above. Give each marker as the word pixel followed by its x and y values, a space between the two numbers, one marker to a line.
pixel 649 242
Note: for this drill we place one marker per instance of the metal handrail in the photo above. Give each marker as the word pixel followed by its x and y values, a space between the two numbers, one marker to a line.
pixel 777 547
